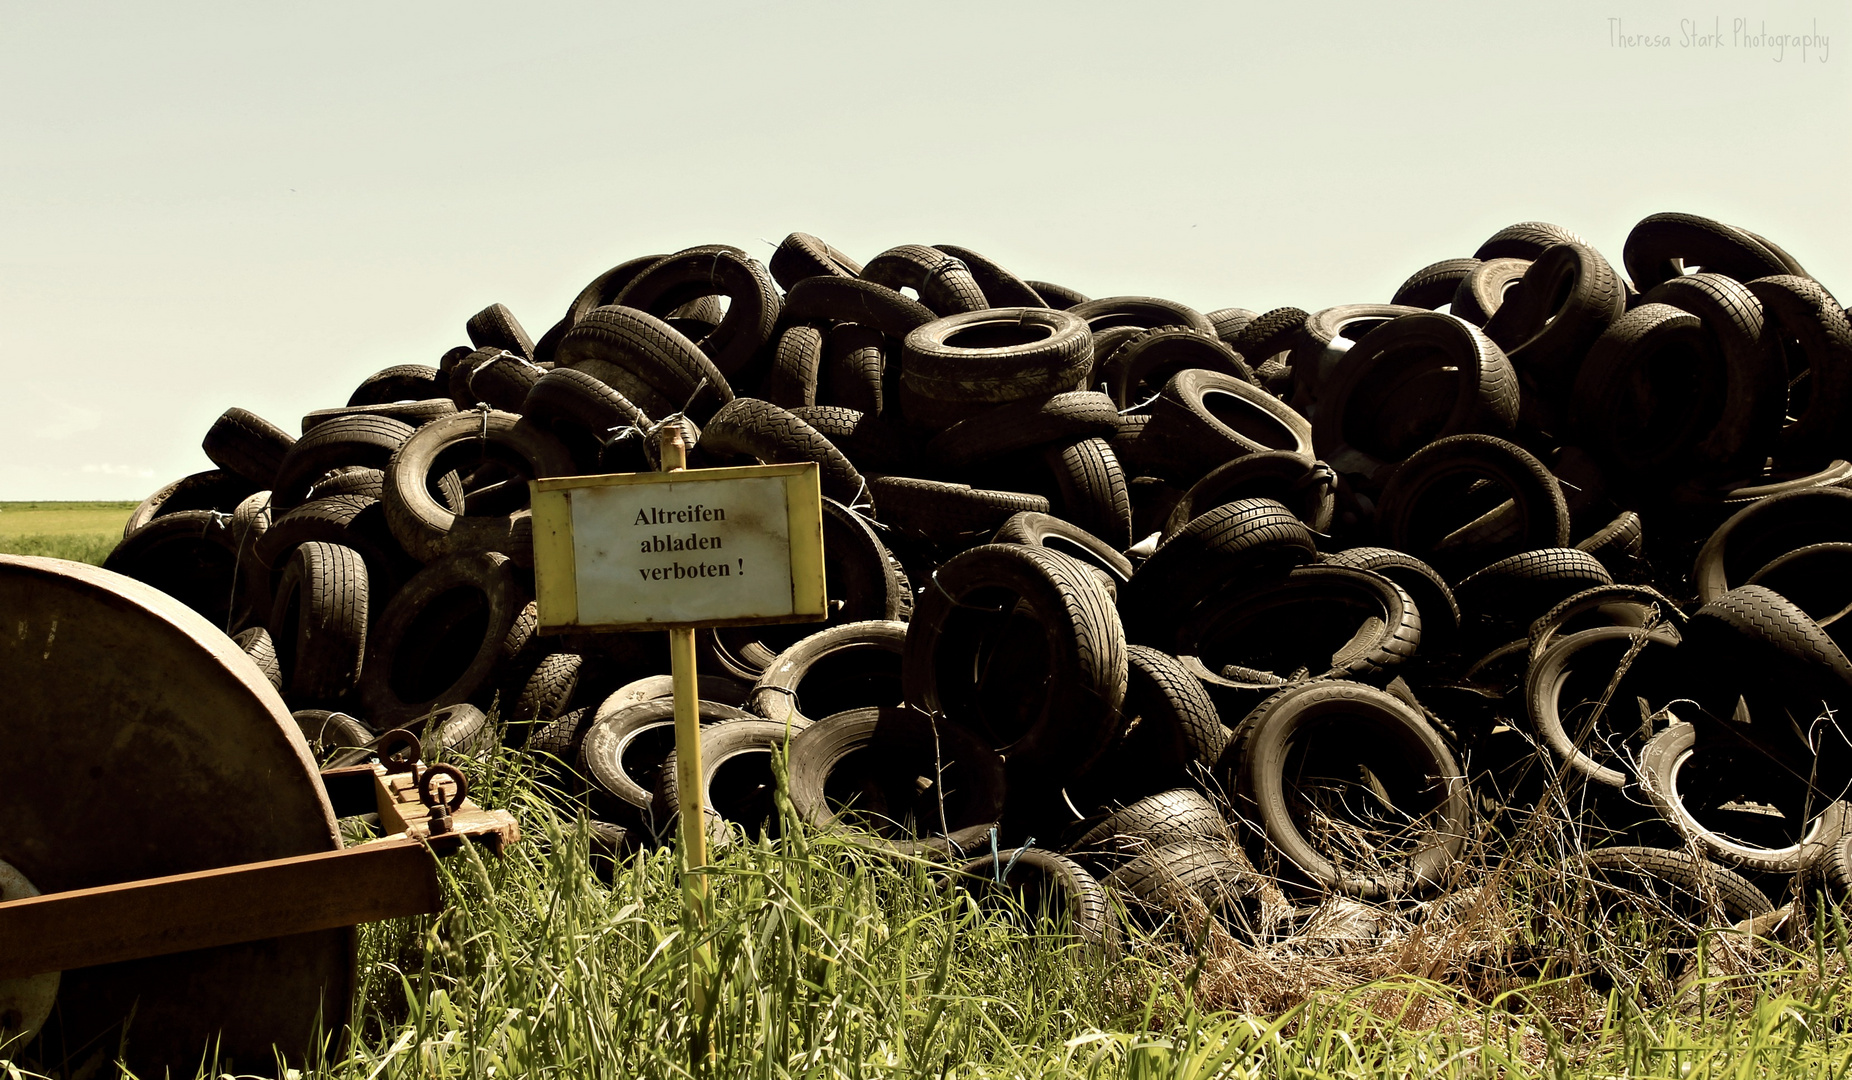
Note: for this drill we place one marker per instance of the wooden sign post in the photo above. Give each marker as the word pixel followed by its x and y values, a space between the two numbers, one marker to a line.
pixel 679 550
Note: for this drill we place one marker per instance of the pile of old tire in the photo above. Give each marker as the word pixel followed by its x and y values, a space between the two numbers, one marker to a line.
pixel 1217 611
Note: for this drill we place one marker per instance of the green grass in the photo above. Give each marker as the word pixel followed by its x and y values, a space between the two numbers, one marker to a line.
pixel 81 531
pixel 836 962
pixel 833 961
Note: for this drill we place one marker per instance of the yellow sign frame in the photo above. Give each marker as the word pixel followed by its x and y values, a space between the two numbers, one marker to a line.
pixel 555 573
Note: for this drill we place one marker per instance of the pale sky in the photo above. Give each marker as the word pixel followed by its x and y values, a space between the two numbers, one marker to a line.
pixel 207 205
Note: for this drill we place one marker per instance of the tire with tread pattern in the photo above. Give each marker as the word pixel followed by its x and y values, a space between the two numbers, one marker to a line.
pixel 320 616
pixel 1377 727
pixel 1056 723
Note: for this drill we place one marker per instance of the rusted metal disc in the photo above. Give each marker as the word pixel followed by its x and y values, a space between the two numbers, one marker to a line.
pixel 139 741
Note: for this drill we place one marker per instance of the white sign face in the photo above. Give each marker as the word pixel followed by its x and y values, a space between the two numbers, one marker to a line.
pixel 693 552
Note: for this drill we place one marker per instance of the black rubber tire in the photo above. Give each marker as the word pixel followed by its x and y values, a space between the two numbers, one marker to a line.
pixel 191 555
pixel 1758 613
pixel 1432 287
pixel 760 429
pixel 414 413
pixel 889 760
pixel 851 666
pixel 1697 883
pixel 1445 471
pixel 1187 875
pixel 500 379
pixel 856 372
pixel 363 440
pixel 1652 388
pixel 1326 335
pixel 947 513
pixel 796 363
pixel 1801 308
pixel 441 638
pixel 1149 822
pixel 214 489
pixel 583 412
pixel 1261 760
pixel 1229 322
pixel 1566 299
pixel 1525 240
pixel 997 355
pixel 944 283
pixel 1516 590
pixel 1766 529
pixel 250 523
pixel 1663 759
pixel 636 731
pixel 1059 296
pixel 1054 534
pixel 1331 621
pixel 1548 679
pixel 1835 473
pixel 1000 287
pixel 1141 311
pixel 556 747
pixel 872 442
pixel 401 382
pixel 1108 342
pixel 452 732
pixel 1091 489
pixel 711 270
pixel 1663 246
pixel 1434 599
pixel 801 255
pixel 544 696
pixel 495 327
pixel 1793 265
pixel 1755 399
pixel 429 530
pixel 1172 733
pixel 1308 487
pixel 852 300
pixel 1140 367
pixel 1046 888
pixel 1816 579
pixel 1764 676
pixel 860 576
pixel 1280 330
pixel 320 618
pixel 1483 290
pixel 979 667
pixel 1635 917
pixel 1387 398
pixel 1631 606
pixel 352 521
pixel 242 442
pixel 1236 541
pixel 1204 419
pixel 1025 424
pixel 328 731
pixel 737 779
pixel 647 361
pixel 599 292
pixel 1620 545
pixel 256 643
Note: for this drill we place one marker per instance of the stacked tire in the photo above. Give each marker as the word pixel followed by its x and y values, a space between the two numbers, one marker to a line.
pixel 1218 612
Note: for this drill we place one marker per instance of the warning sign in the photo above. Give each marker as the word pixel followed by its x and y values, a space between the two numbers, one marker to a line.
pixel 697 547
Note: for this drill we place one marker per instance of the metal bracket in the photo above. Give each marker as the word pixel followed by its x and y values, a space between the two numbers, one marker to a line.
pixel 386 878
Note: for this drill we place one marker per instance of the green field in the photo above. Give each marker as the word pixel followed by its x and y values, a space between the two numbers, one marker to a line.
pixel 83 531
